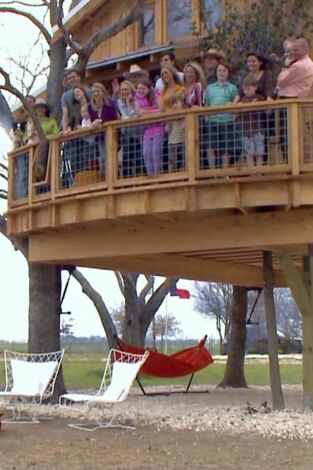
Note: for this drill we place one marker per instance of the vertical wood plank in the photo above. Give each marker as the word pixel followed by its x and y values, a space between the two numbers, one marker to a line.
pixel 158 23
pixel 191 146
pixel 293 138
pixel 276 387
pixel 307 327
pixel 111 156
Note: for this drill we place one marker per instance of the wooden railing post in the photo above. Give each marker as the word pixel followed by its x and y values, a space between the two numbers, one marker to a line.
pixel 294 143
pixel 295 150
pixel 192 145
pixel 31 164
pixel 111 156
pixel 54 166
pixel 10 180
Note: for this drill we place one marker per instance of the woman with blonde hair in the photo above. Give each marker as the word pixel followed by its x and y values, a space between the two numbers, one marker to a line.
pixel 132 160
pixel 172 84
pixel 194 81
pixel 101 109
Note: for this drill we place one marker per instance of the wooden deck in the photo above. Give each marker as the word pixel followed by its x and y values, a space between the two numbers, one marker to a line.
pixel 198 223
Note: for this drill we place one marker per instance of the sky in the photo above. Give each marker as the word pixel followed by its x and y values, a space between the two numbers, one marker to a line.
pixel 14 270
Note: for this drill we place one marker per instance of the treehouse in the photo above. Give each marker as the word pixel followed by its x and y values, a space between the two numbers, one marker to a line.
pixel 191 221
pixel 98 206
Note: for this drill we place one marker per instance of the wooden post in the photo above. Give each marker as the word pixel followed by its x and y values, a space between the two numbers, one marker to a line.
pixel 277 392
pixel 307 327
pixel 302 290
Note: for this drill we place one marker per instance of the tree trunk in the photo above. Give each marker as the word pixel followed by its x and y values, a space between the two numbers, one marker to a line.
pixel 221 346
pixel 134 332
pixel 234 373
pixel 277 392
pixel 44 313
pixel 55 85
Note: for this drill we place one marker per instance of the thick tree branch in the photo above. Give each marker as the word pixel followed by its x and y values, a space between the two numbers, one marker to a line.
pixel 6 119
pixel 104 33
pixel 3 225
pixel 133 15
pixel 147 288
pixel 67 36
pixel 100 305
pixel 120 282
pixel 31 18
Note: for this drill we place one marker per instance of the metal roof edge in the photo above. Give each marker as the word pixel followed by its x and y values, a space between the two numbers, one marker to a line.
pixel 130 56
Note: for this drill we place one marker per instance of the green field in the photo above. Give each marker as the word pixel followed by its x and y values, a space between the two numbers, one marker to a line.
pixel 84 371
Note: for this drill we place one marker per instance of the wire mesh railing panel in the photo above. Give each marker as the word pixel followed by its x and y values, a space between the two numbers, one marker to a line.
pixel 307 130
pixel 243 140
pixel 20 175
pixel 82 160
pixel 151 149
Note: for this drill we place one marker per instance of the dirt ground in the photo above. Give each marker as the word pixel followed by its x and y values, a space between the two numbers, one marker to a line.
pixel 169 442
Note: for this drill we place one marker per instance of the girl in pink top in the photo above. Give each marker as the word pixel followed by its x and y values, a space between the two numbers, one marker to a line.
pixel 149 101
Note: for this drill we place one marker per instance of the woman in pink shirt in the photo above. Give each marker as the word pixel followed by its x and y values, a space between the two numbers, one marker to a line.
pixel 149 101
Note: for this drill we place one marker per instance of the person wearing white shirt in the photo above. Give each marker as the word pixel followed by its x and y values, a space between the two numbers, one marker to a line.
pixel 168 58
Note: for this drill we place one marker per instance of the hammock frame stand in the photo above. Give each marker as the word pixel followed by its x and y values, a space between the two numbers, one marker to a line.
pixel 201 343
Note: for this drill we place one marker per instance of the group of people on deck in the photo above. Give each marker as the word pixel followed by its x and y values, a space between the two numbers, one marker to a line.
pixel 149 148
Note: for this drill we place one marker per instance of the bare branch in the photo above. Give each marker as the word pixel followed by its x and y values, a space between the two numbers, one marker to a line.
pixel 14 91
pixel 31 18
pixel 24 4
pixel 28 70
pixel 3 194
pixel 3 167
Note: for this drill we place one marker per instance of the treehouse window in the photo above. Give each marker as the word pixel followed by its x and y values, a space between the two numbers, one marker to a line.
pixel 179 20
pixel 147 28
pixel 211 13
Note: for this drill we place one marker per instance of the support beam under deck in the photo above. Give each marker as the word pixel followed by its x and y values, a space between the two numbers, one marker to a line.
pixel 154 236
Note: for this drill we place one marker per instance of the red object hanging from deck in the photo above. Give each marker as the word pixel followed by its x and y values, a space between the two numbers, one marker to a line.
pixel 182 363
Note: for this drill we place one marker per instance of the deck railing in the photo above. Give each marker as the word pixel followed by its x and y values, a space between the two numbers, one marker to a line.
pixel 187 147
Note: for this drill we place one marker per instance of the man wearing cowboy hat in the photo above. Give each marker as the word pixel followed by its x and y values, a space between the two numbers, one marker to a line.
pixel 211 58
pixel 135 73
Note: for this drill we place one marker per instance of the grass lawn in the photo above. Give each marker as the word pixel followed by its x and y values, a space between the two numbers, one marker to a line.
pixel 86 372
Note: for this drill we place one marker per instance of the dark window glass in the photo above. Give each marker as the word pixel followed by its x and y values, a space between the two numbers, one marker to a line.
pixel 179 20
pixel 147 28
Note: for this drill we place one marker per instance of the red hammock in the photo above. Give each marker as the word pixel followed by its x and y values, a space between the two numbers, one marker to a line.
pixel 187 361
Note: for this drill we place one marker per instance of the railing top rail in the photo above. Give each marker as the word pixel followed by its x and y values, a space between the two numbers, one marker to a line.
pixel 236 108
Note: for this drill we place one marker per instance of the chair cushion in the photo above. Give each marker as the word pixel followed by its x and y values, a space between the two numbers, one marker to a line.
pixel 31 378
